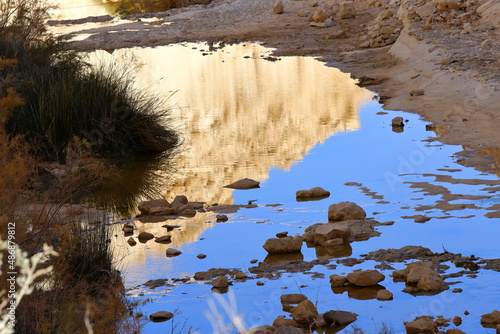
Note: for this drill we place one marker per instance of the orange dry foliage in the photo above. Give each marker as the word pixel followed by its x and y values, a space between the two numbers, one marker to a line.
pixel 15 162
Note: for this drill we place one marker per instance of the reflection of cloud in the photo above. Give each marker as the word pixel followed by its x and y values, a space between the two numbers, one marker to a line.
pixel 241 116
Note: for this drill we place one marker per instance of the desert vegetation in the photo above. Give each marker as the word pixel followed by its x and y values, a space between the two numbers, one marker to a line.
pixel 63 128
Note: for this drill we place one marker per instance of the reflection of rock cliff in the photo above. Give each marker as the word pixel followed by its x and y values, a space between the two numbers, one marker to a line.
pixel 241 116
pixel 76 9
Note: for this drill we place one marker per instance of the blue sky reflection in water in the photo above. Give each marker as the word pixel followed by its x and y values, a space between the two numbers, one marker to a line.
pixel 384 162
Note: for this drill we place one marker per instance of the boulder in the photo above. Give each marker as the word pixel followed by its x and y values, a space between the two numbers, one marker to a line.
pixel 244 184
pixel 305 312
pixel 365 277
pixel 339 318
pixel 278 7
pixel 173 252
pixel 281 321
pixel 447 5
pixel 319 15
pixel 161 316
pixel 131 241
pixel 128 230
pixel 179 201
pixel 288 330
pixel 221 218
pixel 347 10
pixel 345 211
pixel 315 192
pixel 398 122
pixel 201 256
pixel 157 210
pixel 240 275
pixel 492 318
pixel 220 282
pixel 336 33
pixel 330 231
pixel 164 239
pixel 457 321
pixel 292 298
pixel 337 281
pixel 145 206
pixel 384 295
pixel 416 270
pixel 421 325
pixel 333 242
pixel 283 245
pixel 431 283
pixel 455 331
pixel 145 236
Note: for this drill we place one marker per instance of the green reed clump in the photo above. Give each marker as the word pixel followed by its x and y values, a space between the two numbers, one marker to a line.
pixel 66 98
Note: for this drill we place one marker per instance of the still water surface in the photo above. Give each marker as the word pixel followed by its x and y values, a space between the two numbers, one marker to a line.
pixel 294 124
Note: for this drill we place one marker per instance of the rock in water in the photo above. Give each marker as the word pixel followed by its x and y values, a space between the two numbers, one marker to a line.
pixel 305 312
pixel 339 318
pixel 145 206
pixel 244 184
pixel 398 122
pixel 278 7
pixel 145 236
pixel 365 277
pixel 288 330
pixel 292 298
pixel 421 325
pixel 315 192
pixel 173 252
pixel 384 295
pixel 491 318
pixel 161 316
pixel 220 282
pixel 165 239
pixel 283 245
pixel 345 211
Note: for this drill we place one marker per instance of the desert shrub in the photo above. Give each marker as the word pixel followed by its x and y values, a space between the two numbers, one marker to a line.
pixel 67 99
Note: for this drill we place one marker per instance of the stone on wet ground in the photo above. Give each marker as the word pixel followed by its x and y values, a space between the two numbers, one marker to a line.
pixel 131 241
